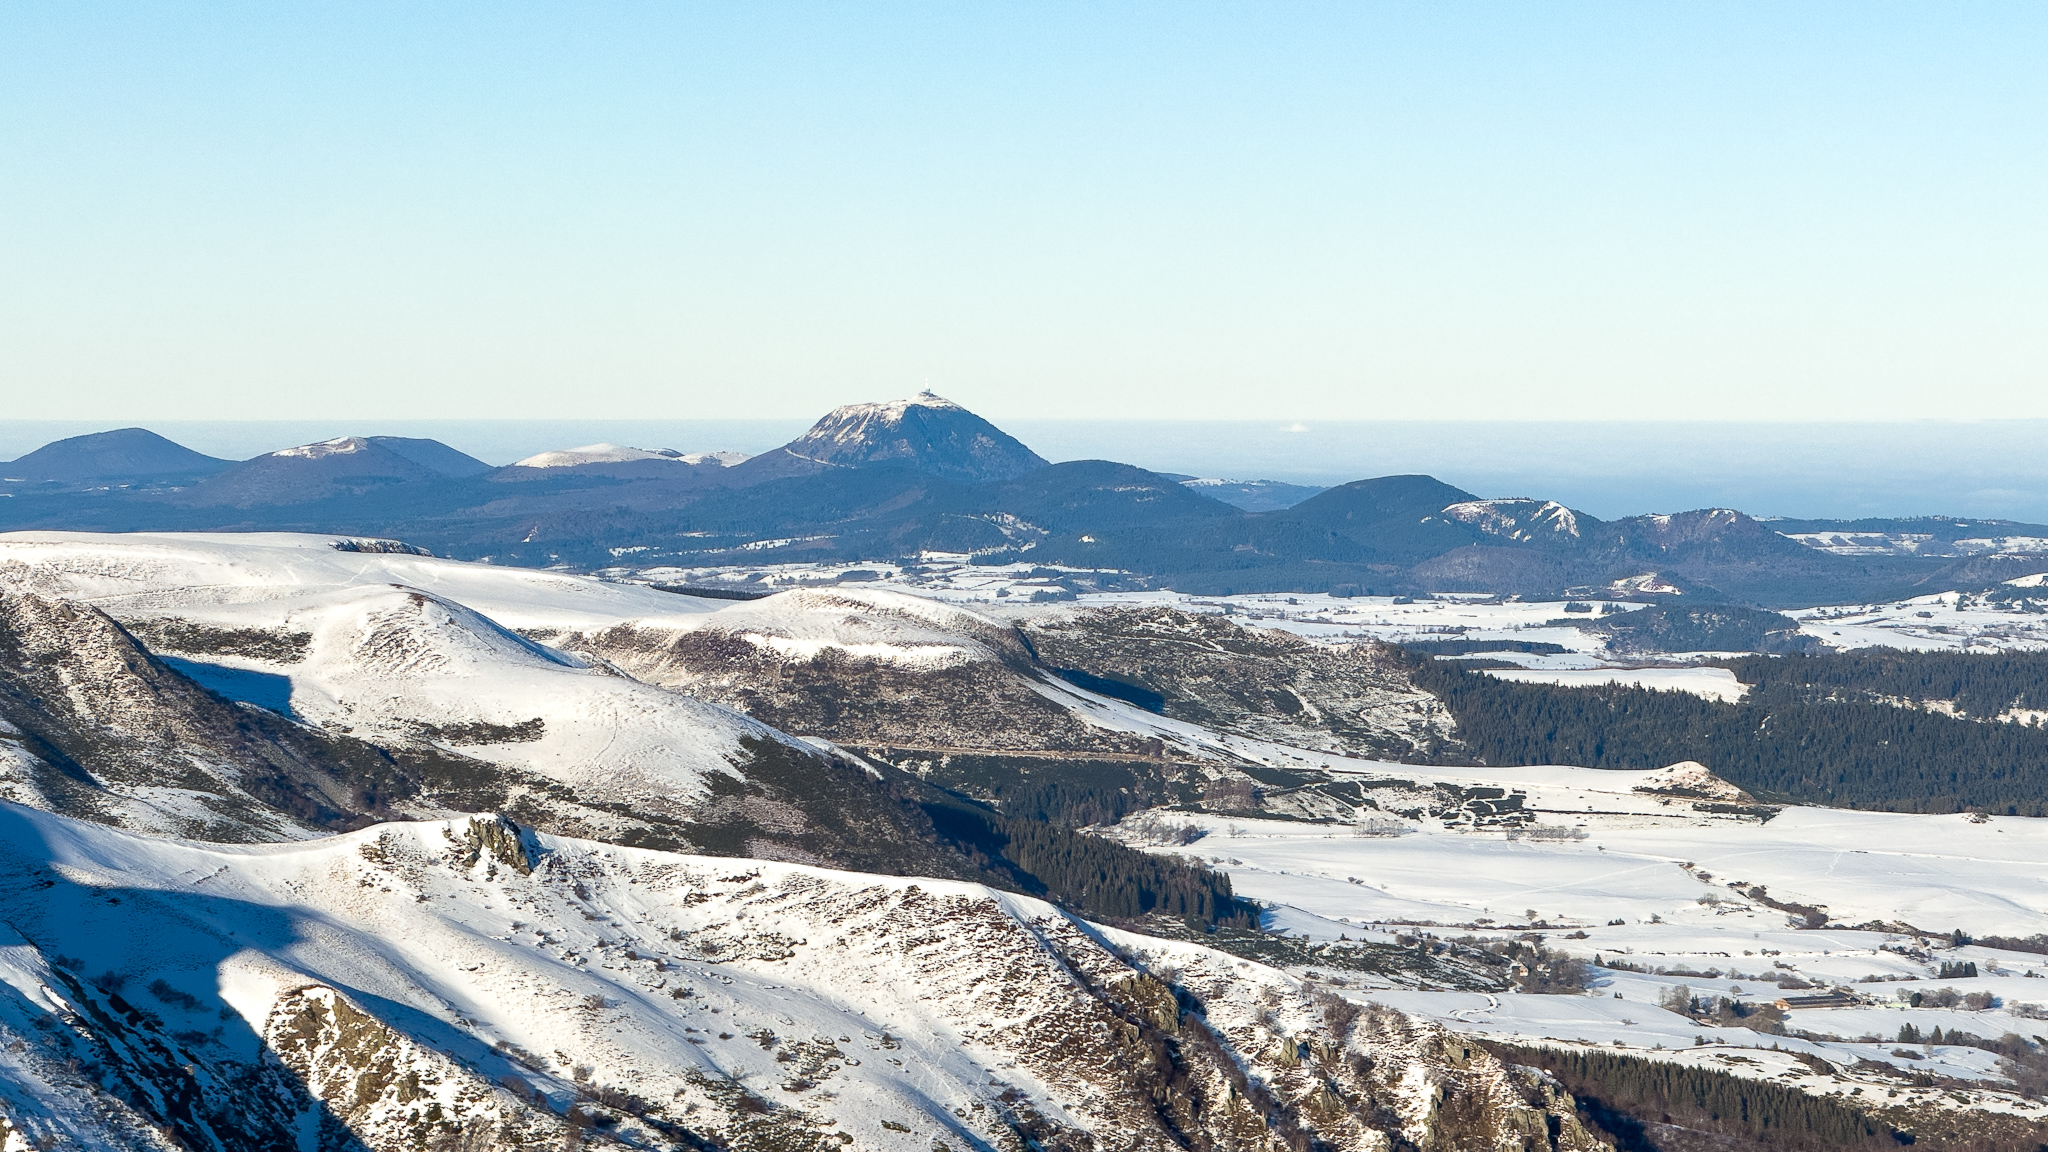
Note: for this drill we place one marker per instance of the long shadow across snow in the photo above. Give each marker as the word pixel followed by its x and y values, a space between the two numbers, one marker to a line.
pixel 140 971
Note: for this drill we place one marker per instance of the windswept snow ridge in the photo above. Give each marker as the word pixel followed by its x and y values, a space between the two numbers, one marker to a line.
pixel 472 980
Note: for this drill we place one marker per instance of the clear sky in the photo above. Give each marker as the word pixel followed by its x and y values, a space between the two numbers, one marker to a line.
pixel 1354 211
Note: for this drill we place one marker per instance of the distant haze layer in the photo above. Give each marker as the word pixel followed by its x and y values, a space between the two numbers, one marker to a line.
pixel 1995 468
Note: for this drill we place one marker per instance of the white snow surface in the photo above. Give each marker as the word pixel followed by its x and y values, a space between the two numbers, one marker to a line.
pixel 1948 621
pixel 391 651
pixel 339 446
pixel 644 971
pixel 607 453
pixel 133 573
pixel 1711 683
pixel 395 639
pixel 1659 884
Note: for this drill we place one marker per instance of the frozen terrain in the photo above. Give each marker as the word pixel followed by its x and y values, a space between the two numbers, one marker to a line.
pixel 429 983
pixel 1627 867
pixel 1951 621
pixel 615 691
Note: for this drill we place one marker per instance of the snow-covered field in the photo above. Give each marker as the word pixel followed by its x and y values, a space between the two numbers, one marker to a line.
pixel 1655 884
pixel 1950 621
pixel 1712 683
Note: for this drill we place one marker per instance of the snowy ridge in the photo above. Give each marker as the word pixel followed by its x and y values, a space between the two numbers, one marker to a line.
pixel 225 576
pixel 607 453
pixel 390 662
pixel 472 977
pixel 1517 519
pixel 394 658
pixel 339 446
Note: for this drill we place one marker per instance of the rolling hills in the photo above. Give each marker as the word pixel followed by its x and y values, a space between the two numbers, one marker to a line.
pixel 925 476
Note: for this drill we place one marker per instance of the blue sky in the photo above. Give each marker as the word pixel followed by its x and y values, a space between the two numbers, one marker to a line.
pixel 1334 212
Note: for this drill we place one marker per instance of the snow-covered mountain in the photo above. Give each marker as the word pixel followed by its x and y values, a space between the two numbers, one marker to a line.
pixel 471 983
pixel 1251 495
pixel 647 949
pixel 891 481
pixel 346 466
pixel 926 433
pixel 459 712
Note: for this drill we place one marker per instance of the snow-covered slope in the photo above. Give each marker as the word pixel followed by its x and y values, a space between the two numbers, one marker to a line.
pixel 93 725
pixel 1675 878
pixel 473 984
pixel 394 661
pixel 133 574
pixel 607 453
pixel 927 433
pixel 370 646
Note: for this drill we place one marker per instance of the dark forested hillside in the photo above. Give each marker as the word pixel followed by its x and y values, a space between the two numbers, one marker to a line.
pixel 1648 1106
pixel 1786 742
pixel 1979 686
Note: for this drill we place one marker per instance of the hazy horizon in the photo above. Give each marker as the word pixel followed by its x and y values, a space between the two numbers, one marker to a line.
pixel 1986 468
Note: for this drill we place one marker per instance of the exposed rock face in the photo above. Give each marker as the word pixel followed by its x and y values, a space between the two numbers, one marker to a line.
pixel 372 1086
pixel 92 725
pixel 1353 700
pixel 876 668
pixel 393 989
pixel 998 711
pixel 864 668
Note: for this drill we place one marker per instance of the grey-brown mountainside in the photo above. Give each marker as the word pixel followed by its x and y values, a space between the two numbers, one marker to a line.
pixel 98 727
pixel 1094 711
pixel 93 725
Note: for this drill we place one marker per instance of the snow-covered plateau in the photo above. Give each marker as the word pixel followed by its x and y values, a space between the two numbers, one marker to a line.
pixel 438 975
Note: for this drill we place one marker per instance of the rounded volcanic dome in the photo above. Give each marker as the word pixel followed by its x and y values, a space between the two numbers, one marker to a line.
pixel 601 453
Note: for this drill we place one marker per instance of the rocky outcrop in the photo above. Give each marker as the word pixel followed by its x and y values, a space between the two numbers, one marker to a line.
pixel 1269 685
pixel 93 725
pixel 402 988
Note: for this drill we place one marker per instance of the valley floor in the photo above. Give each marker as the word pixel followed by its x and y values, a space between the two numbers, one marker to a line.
pixel 1661 895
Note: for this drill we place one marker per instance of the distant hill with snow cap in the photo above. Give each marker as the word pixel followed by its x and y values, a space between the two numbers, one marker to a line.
pixel 608 453
pixel 926 433
pixel 341 467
